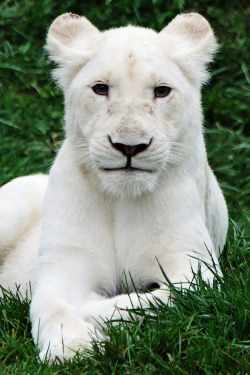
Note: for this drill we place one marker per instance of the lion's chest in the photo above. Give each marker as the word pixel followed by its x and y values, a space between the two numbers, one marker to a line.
pixel 133 260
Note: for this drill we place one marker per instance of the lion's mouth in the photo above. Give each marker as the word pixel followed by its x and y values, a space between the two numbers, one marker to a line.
pixel 127 169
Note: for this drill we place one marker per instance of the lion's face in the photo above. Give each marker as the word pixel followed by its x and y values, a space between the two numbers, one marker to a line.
pixel 132 112
pixel 130 105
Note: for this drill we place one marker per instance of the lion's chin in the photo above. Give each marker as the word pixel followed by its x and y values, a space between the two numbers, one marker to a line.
pixel 127 184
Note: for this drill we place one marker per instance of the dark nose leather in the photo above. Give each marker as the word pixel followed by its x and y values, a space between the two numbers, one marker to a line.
pixel 128 150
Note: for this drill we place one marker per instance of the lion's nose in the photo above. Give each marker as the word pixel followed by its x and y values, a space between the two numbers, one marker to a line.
pixel 129 150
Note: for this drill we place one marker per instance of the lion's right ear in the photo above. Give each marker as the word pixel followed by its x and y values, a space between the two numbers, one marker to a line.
pixel 69 42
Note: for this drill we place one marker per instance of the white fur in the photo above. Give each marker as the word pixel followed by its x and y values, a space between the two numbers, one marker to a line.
pixel 101 227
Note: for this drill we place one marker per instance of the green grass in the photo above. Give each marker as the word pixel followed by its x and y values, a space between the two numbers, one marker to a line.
pixel 207 332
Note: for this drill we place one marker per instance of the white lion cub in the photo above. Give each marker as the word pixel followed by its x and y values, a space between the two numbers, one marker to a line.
pixel 130 187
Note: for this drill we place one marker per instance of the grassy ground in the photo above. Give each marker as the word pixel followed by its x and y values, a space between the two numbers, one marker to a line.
pixel 208 330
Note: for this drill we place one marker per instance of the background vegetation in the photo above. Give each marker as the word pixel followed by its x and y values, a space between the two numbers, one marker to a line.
pixel 208 330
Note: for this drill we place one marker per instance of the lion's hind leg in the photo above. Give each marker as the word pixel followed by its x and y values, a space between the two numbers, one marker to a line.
pixel 21 205
pixel 216 213
pixel 21 202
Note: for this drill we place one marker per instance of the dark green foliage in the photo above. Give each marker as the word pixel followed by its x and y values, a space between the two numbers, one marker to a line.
pixel 207 332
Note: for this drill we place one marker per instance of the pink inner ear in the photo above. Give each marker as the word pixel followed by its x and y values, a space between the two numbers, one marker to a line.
pixel 188 15
pixel 75 16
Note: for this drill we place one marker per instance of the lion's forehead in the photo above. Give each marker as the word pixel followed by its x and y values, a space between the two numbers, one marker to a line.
pixel 136 48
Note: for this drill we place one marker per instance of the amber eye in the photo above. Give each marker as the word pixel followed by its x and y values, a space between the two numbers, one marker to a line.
pixel 162 91
pixel 100 89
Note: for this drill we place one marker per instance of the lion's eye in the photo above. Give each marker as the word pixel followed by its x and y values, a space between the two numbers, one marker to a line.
pixel 100 89
pixel 162 91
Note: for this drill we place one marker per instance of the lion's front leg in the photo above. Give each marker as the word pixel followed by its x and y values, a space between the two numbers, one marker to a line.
pixel 57 326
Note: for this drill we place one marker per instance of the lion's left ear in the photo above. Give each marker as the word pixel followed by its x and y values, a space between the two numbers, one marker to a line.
pixel 191 43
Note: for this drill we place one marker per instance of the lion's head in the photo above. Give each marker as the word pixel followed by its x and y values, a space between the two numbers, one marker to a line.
pixel 132 97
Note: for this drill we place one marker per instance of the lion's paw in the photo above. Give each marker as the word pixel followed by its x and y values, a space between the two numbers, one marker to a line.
pixel 58 352
pixel 97 312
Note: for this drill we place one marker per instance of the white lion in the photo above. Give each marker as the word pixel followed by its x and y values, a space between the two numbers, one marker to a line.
pixel 130 187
